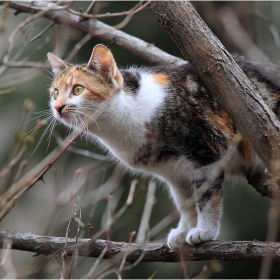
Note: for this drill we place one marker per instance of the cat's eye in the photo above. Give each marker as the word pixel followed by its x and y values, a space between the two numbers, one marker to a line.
pixel 78 90
pixel 55 93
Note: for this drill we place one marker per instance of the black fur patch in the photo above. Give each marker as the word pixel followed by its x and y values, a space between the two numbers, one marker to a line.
pixel 215 188
pixel 132 80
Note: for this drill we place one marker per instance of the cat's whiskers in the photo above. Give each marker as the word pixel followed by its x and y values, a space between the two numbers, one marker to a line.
pixel 46 119
pixel 92 109
pixel 43 113
pixel 51 131
pixel 79 122
pixel 87 115
pixel 52 124
pixel 82 122
pixel 50 72
pixel 49 78
pixel 85 121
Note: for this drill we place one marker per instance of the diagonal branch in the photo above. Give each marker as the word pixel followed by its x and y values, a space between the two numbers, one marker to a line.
pixel 100 30
pixel 226 80
pixel 153 252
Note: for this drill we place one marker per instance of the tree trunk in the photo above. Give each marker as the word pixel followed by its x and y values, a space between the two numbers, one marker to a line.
pixel 226 80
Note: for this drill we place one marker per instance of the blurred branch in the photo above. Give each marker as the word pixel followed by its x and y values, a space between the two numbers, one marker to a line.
pixel 24 64
pixel 13 198
pixel 98 29
pixel 152 252
pixel 239 36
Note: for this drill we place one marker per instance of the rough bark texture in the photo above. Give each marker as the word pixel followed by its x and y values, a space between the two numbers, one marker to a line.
pixel 151 252
pixel 225 79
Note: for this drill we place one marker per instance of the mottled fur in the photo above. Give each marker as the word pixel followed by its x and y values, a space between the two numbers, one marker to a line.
pixel 165 121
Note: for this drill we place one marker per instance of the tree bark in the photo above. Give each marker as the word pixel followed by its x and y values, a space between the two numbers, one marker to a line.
pixel 151 252
pixel 226 80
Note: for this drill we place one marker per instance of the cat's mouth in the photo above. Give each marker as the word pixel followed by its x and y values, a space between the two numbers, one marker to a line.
pixel 62 116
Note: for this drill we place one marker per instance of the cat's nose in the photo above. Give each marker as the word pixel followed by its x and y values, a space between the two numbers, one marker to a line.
pixel 59 108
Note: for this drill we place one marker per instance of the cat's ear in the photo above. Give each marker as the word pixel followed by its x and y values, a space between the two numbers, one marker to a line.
pixel 103 60
pixel 56 63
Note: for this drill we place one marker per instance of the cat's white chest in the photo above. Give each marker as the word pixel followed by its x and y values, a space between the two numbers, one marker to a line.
pixel 123 127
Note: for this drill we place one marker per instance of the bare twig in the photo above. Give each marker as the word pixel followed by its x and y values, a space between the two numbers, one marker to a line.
pixel 127 42
pixel 42 32
pixel 143 232
pixel 16 198
pixel 7 264
pixel 64 265
pixel 273 226
pixel 90 7
pixel 25 64
pixel 82 152
pixel 137 8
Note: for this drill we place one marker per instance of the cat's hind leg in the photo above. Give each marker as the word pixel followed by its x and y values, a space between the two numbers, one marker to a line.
pixel 209 211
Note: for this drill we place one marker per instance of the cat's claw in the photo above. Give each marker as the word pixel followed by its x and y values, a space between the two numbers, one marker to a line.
pixel 198 235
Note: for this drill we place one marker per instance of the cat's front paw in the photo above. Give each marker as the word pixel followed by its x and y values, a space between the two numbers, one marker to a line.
pixel 198 235
pixel 176 237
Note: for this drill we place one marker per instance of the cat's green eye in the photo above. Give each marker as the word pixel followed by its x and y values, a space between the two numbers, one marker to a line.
pixel 55 93
pixel 78 90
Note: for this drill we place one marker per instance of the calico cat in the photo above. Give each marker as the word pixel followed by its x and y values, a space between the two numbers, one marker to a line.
pixel 164 121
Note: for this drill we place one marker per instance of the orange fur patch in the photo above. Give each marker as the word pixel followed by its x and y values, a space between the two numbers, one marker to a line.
pixel 161 79
pixel 97 91
pixel 223 122
pixel 216 201
pixel 245 149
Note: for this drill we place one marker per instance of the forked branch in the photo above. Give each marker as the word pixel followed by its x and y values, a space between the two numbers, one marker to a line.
pixel 99 30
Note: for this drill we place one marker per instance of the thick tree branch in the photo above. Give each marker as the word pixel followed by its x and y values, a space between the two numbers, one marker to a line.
pixel 226 80
pixel 151 252
pixel 99 30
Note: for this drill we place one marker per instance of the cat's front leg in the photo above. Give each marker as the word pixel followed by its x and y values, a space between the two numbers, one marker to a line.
pixel 186 206
pixel 187 221
pixel 200 213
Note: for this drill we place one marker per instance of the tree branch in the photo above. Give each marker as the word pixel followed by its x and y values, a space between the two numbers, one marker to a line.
pixel 151 252
pixel 99 30
pixel 226 80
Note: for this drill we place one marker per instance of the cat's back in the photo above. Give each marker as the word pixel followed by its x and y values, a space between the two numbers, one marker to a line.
pixel 189 120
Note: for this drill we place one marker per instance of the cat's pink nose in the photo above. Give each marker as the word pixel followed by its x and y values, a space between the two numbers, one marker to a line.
pixel 59 108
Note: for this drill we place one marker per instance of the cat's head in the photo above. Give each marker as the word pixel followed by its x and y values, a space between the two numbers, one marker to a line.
pixel 78 90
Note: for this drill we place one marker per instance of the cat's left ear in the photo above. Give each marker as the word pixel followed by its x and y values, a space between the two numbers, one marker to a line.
pixel 103 60
pixel 57 64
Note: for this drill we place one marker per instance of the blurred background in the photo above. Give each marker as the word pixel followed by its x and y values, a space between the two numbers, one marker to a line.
pixel 82 180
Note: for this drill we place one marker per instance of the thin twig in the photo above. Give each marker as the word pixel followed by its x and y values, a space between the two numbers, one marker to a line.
pixel 142 234
pixel 273 226
pixel 90 7
pixel 38 178
pixel 137 8
pixel 42 32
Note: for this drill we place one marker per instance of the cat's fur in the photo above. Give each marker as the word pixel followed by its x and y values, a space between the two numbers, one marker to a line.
pixel 165 121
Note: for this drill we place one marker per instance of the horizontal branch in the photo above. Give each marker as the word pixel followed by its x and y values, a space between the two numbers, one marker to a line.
pixel 151 252
pixel 100 30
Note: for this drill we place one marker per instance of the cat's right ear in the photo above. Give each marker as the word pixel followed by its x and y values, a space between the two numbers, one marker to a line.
pixel 57 64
